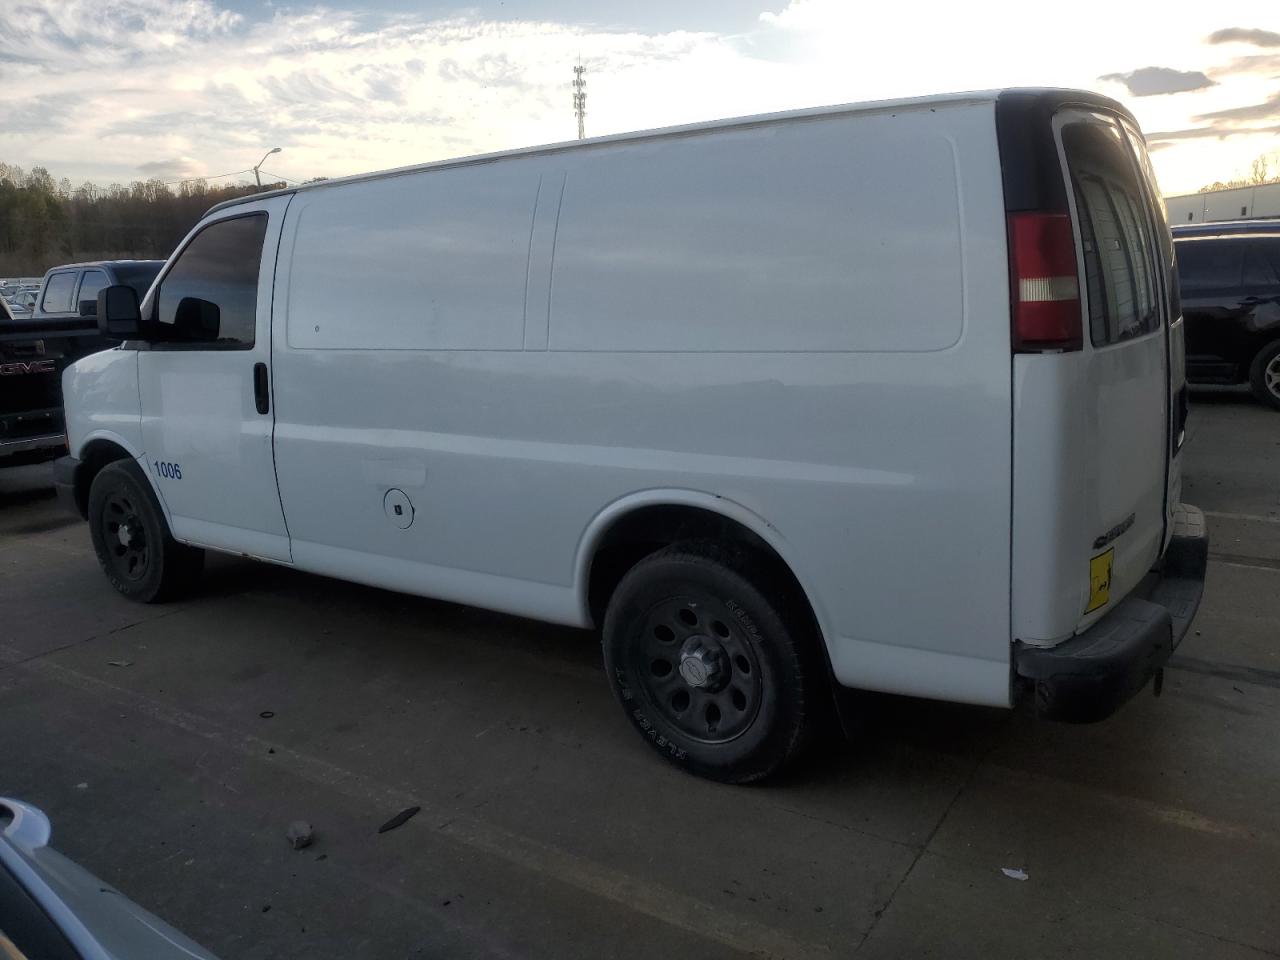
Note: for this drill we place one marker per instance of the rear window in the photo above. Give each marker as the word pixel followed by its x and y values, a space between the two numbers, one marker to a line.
pixel 1205 265
pixel 1115 234
pixel 57 292
pixel 138 275
pixel 90 284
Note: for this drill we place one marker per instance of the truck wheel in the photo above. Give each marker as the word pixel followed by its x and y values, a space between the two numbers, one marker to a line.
pixel 708 666
pixel 132 540
pixel 1264 374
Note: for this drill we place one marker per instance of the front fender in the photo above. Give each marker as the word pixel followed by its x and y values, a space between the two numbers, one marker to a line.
pixel 100 397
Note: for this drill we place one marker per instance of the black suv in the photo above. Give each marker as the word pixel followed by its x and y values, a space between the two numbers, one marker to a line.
pixel 1229 276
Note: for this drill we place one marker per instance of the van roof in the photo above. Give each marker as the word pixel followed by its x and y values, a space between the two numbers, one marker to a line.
pixel 868 106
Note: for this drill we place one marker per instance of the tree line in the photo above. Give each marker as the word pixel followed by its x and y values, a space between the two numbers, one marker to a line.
pixel 44 223
pixel 1264 169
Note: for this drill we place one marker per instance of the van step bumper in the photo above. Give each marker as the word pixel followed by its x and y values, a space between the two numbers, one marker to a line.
pixel 1090 676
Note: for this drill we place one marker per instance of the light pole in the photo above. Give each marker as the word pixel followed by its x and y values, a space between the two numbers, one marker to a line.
pixel 261 162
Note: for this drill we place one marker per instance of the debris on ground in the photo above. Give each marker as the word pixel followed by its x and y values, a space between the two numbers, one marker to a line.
pixel 267 714
pixel 119 663
pixel 1014 874
pixel 300 834
pixel 399 819
pixel 82 786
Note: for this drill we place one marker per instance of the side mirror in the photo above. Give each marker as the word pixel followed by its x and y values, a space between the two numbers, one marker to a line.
pixel 118 314
pixel 88 308
pixel 196 320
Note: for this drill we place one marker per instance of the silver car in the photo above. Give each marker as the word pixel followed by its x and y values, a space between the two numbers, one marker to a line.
pixel 52 909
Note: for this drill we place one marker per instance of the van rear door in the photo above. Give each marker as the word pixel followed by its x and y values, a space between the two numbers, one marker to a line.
pixel 1092 412
pixel 1123 508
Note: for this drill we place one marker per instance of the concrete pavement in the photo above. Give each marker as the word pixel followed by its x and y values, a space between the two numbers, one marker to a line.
pixel 172 746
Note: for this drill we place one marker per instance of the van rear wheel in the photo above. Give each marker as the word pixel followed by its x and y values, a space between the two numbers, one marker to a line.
pixel 1264 374
pixel 132 540
pixel 714 672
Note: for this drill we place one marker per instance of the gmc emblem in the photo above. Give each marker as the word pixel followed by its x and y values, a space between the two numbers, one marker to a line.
pixel 19 367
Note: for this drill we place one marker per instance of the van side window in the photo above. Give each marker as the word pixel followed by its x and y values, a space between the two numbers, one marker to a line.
pixel 210 294
pixel 57 292
pixel 1118 250
pixel 1210 264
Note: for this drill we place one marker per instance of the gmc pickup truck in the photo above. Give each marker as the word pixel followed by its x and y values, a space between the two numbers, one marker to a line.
pixel 35 350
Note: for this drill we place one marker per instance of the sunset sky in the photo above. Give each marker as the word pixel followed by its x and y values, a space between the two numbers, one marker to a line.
pixel 113 91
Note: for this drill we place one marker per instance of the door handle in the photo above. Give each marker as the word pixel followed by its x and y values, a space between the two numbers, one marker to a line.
pixel 261 398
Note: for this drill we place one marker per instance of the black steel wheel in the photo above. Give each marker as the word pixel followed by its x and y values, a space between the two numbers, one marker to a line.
pixel 701 672
pixel 124 535
pixel 711 664
pixel 132 540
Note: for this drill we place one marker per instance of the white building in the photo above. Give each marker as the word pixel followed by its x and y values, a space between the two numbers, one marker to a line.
pixel 1238 203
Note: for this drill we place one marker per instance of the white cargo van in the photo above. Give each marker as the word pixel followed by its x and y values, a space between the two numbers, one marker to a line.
pixel 886 396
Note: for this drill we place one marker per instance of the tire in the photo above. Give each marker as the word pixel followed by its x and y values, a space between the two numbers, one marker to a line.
pixel 1264 375
pixel 746 703
pixel 132 540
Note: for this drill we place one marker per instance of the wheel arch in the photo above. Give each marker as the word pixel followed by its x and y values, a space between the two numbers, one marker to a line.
pixel 98 449
pixel 634 526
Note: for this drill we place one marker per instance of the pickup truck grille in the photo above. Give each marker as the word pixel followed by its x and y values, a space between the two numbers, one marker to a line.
pixel 30 382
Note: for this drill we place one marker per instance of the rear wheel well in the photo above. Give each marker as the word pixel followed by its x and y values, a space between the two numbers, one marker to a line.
pixel 97 454
pixel 646 530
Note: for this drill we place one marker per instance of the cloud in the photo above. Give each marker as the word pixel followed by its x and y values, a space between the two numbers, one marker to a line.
pixel 100 30
pixel 1165 138
pixel 1154 81
pixel 1266 110
pixel 174 169
pixel 1259 38
pixel 1259 63
pixel 488 70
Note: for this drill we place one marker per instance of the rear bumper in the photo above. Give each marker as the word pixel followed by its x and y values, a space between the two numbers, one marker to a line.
pixel 31 436
pixel 1091 675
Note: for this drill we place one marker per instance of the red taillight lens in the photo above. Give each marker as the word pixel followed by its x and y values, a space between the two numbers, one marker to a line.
pixel 1046 285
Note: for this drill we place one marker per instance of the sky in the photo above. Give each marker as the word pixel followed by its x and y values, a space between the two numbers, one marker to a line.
pixel 111 91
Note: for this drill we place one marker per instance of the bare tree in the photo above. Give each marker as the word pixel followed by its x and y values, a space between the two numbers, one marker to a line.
pixel 1264 169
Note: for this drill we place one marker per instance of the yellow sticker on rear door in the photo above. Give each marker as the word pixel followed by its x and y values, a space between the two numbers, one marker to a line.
pixel 1100 580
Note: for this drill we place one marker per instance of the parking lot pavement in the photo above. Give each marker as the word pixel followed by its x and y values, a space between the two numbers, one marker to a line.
pixel 172 746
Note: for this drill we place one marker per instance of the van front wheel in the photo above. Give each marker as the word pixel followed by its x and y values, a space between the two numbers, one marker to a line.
pixel 1264 374
pixel 711 670
pixel 132 540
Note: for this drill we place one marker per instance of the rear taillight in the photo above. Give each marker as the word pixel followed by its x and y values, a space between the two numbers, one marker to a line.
pixel 1046 285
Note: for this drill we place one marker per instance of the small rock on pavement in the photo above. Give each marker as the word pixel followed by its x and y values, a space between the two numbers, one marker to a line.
pixel 300 834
